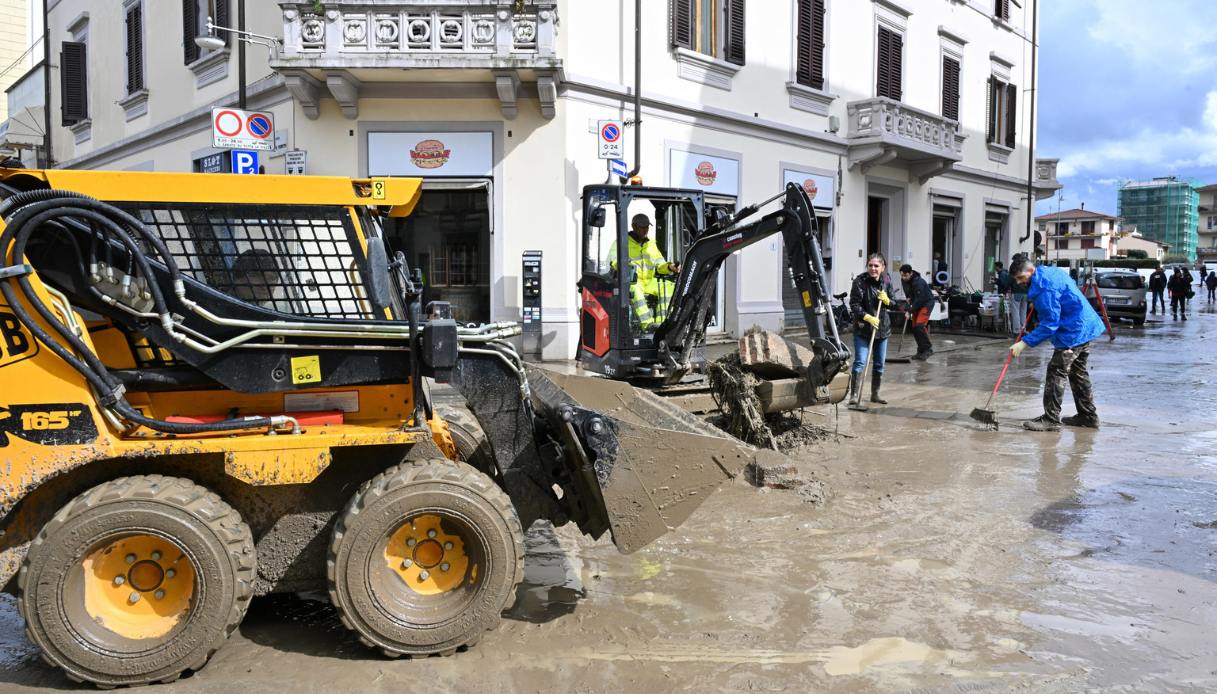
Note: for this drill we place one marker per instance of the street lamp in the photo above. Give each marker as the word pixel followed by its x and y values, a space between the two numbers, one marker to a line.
pixel 211 42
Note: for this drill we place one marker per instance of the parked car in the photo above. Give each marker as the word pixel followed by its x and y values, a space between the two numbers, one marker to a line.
pixel 1123 293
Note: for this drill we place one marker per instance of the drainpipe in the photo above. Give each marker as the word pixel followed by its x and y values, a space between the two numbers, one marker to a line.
pixel 1035 15
pixel 47 156
pixel 637 89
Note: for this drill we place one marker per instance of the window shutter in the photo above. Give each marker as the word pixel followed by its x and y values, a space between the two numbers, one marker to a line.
pixel 950 88
pixel 74 86
pixel 135 49
pixel 190 29
pixel 810 38
pixel 221 18
pixel 682 23
pixel 991 111
pixel 734 50
pixel 1011 112
pixel 896 72
pixel 1005 9
pixel 882 60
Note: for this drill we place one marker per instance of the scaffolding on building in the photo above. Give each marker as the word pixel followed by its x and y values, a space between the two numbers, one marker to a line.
pixel 1164 209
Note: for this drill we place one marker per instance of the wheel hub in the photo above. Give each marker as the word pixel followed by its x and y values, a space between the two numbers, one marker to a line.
pixel 427 558
pixel 139 586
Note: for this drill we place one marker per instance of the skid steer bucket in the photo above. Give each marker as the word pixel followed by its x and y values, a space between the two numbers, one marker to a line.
pixel 650 464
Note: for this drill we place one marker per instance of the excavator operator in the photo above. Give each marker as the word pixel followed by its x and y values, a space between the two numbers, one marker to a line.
pixel 649 292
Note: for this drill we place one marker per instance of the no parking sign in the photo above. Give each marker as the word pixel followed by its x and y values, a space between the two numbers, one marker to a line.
pixel 232 128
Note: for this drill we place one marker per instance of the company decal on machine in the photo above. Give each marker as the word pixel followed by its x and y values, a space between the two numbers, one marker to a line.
pixel 48 424
pixel 733 240
pixel 16 343
pixel 430 154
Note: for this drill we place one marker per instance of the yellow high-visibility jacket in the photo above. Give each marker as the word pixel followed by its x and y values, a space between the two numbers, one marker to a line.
pixel 647 262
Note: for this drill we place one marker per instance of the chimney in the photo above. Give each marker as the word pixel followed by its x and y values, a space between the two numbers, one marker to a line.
pixel 1083 207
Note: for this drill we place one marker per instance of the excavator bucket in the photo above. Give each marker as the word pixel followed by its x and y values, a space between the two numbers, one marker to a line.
pixel 649 463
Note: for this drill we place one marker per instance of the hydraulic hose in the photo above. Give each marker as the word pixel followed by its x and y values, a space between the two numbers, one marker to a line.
pixel 29 211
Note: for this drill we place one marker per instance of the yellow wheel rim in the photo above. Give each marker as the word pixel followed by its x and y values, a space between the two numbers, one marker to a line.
pixel 139 586
pixel 427 559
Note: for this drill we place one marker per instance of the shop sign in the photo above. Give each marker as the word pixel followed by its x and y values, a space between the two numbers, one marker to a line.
pixel 712 174
pixel 431 154
pixel 818 187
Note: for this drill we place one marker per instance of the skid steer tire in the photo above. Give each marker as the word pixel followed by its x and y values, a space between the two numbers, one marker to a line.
pixel 472 445
pixel 136 581
pixel 425 558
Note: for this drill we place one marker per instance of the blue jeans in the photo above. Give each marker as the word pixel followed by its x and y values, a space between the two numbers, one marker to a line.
pixel 862 346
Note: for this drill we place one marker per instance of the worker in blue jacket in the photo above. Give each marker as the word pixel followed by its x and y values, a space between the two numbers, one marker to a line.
pixel 1066 318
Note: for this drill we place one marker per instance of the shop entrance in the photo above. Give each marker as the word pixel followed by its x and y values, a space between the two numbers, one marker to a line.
pixel 448 237
pixel 945 245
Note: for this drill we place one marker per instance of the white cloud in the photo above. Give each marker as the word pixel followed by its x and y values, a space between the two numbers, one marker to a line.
pixel 1171 34
pixel 1149 148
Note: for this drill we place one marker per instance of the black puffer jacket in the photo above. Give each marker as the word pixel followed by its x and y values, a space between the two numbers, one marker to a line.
pixel 918 292
pixel 864 299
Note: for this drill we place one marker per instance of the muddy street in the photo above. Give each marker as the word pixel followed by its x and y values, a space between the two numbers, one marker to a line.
pixel 946 557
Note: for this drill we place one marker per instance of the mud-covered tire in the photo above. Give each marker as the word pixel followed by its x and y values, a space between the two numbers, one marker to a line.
pixel 210 535
pixel 377 602
pixel 472 445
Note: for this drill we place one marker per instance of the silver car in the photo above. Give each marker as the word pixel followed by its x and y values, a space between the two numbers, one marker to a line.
pixel 1123 293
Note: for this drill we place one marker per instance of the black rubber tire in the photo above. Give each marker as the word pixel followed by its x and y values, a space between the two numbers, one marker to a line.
pixel 209 531
pixel 472 445
pixel 451 490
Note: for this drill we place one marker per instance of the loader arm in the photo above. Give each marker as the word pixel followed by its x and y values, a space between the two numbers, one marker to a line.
pixel 685 326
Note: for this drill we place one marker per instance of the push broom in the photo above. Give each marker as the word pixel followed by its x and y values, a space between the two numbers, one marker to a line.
pixel 985 415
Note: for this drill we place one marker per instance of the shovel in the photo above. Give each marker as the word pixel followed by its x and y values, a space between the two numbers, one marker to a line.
pixel 984 415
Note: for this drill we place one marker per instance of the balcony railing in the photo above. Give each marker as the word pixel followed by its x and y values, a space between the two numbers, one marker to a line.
pixel 419 33
pixel 883 131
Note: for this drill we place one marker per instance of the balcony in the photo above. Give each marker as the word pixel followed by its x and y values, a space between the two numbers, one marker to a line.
pixel 1045 183
pixel 882 131
pixel 358 49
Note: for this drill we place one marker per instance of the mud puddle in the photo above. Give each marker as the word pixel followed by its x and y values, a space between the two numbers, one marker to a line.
pixel 15 650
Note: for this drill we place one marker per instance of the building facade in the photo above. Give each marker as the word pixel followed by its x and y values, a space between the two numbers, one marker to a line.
pixel 1206 227
pixel 22 117
pixel 909 123
pixel 1078 234
pixel 1163 209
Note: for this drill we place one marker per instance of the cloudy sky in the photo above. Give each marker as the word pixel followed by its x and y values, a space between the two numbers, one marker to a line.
pixel 1128 90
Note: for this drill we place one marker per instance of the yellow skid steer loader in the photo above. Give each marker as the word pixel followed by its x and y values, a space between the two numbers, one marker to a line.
pixel 216 387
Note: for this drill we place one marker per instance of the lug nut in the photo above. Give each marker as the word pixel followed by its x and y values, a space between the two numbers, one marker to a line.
pixel 447 545
pixel 130 558
pixel 444 566
pixel 431 533
pixel 423 575
pixel 156 556
pixel 170 573
pixel 159 594
pixel 119 580
pixel 406 564
pixel 597 426
pixel 411 542
pixel 133 597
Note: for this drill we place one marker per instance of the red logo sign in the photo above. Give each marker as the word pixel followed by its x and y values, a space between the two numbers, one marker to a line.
pixel 430 154
pixel 809 186
pixel 705 173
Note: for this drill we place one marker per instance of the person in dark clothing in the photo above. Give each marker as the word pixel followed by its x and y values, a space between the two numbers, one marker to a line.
pixel 921 302
pixel 1211 283
pixel 870 290
pixel 937 268
pixel 1001 278
pixel 1065 318
pixel 1157 286
pixel 1179 286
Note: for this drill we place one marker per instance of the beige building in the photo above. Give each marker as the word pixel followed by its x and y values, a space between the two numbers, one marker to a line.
pixel 1078 234
pixel 1206 233
pixel 1134 241
pixel 22 116
pixel 910 121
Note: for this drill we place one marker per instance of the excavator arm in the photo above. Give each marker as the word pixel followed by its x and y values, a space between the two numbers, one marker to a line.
pixel 685 326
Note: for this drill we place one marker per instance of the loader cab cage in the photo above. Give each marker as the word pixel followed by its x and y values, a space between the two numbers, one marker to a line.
pixel 302 260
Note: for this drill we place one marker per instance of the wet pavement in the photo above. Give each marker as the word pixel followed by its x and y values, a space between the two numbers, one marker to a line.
pixel 947 557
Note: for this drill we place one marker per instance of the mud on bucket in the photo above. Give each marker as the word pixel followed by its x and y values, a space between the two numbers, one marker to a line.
pixel 648 462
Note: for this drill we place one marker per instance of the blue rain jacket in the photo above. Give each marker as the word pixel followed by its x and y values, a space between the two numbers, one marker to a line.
pixel 1065 315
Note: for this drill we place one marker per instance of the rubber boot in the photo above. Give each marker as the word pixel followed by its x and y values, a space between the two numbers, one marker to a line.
pixel 876 382
pixel 853 388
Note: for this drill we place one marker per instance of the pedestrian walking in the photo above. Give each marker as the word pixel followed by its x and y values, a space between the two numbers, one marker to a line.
pixel 1065 318
pixel 1211 283
pixel 1157 286
pixel 870 290
pixel 921 303
pixel 1178 286
pixel 1017 298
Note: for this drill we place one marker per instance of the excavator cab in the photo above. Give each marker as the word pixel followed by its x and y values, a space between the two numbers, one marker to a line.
pixel 615 341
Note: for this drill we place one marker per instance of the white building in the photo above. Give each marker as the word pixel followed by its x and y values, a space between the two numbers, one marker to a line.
pixel 1079 234
pixel 22 117
pixel 909 119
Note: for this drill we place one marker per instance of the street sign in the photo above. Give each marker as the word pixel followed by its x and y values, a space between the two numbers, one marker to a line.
pixel 244 162
pixel 608 139
pixel 296 161
pixel 232 128
pixel 212 163
pixel 618 168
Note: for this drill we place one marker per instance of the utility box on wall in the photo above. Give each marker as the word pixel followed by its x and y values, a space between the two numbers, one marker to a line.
pixel 531 306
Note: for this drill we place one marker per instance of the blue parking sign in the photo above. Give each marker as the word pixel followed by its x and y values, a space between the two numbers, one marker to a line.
pixel 244 161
